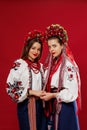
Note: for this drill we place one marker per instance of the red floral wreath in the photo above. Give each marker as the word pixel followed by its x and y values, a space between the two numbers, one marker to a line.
pixel 34 34
pixel 56 30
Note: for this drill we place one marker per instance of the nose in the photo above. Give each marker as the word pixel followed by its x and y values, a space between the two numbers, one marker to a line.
pixel 36 51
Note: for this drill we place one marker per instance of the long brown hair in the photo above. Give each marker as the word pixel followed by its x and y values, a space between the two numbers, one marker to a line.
pixel 28 46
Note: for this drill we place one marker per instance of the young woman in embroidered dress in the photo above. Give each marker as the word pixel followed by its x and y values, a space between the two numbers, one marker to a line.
pixel 62 82
pixel 25 82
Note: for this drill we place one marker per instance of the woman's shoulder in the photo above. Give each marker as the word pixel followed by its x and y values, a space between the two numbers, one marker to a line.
pixel 71 65
pixel 20 62
pixel 69 62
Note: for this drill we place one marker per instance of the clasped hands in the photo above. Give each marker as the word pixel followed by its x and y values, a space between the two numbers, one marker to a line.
pixel 46 96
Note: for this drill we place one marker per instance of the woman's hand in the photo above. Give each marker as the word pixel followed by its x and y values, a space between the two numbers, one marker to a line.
pixel 37 93
pixel 48 96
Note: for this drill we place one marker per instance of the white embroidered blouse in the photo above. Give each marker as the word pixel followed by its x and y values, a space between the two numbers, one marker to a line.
pixel 18 80
pixel 70 84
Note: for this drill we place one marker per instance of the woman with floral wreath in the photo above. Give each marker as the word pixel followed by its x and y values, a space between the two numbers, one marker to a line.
pixel 25 83
pixel 62 82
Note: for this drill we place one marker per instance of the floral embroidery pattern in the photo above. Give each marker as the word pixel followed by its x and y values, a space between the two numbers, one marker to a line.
pixel 15 90
pixel 70 70
pixel 16 65
pixel 16 87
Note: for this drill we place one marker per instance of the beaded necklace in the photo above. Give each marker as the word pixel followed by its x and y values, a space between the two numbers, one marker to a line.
pixel 36 67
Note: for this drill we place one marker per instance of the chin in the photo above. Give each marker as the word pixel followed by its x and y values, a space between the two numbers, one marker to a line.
pixel 54 56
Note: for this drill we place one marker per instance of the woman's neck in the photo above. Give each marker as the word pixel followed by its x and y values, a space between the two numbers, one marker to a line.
pixel 31 60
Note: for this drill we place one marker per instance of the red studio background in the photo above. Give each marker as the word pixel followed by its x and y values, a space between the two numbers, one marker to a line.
pixel 17 17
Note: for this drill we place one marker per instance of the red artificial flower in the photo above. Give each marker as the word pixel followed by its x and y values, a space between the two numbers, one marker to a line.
pixel 56 30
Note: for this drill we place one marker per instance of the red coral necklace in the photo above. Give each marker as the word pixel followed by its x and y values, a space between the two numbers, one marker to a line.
pixel 35 66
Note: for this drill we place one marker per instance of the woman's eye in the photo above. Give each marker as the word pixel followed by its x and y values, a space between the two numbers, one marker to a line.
pixel 33 48
pixel 54 45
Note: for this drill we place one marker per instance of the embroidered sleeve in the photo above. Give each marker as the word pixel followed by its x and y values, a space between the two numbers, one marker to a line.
pixel 69 92
pixel 17 81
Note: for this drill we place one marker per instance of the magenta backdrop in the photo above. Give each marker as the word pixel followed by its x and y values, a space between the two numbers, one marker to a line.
pixel 17 17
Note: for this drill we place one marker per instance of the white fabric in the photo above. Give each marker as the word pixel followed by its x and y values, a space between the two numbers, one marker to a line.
pixel 36 81
pixel 22 75
pixel 70 85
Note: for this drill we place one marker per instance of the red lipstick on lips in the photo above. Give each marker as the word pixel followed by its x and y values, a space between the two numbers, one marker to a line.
pixel 53 53
pixel 35 54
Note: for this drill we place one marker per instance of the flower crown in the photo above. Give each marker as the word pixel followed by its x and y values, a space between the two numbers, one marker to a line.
pixel 55 30
pixel 34 34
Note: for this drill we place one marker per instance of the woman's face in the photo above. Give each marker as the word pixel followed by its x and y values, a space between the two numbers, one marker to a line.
pixel 54 47
pixel 34 51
